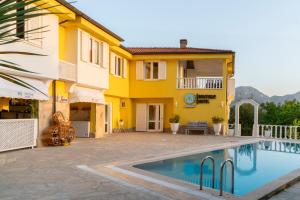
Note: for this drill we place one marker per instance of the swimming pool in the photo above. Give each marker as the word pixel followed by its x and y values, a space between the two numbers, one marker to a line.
pixel 255 164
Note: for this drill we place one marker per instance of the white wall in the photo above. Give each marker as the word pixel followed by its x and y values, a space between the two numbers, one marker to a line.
pixel 88 74
pixel 46 67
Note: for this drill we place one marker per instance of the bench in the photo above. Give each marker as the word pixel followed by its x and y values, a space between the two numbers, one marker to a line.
pixel 196 126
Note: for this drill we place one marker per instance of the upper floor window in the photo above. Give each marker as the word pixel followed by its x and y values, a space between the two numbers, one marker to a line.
pixel 151 70
pixel 91 49
pixel 118 65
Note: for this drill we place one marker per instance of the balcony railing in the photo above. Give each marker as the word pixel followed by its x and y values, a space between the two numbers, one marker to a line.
pixel 67 71
pixel 200 83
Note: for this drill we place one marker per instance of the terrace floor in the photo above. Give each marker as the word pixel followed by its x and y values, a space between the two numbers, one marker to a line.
pixel 53 173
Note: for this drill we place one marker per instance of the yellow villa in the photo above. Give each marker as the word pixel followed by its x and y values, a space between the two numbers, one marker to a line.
pixel 154 84
pixel 104 87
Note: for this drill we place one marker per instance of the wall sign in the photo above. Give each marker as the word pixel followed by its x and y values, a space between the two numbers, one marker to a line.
pixel 191 99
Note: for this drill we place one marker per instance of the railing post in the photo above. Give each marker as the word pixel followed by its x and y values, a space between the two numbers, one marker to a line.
pixel 285 132
pixel 213 171
pixel 280 132
pixel 221 178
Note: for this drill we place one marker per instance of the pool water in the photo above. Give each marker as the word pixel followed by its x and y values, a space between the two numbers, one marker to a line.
pixel 255 165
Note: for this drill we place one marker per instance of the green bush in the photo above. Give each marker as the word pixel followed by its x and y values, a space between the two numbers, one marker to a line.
pixel 174 119
pixel 217 120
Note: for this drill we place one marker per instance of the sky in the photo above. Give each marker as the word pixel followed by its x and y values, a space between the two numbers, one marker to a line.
pixel 265 34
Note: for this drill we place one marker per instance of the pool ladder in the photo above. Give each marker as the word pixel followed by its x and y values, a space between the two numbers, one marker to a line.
pixel 213 173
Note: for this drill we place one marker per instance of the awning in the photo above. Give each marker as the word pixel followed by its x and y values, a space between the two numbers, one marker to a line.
pixel 11 90
pixel 86 95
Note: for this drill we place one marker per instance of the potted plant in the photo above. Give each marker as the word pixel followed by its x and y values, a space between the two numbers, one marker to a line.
pixel 121 123
pixel 174 123
pixel 217 123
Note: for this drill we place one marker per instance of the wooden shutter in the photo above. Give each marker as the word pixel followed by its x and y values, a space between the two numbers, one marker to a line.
pixel 105 55
pixel 125 68
pixel 162 70
pixel 141 117
pixel 112 63
pixel 139 70
pixel 85 44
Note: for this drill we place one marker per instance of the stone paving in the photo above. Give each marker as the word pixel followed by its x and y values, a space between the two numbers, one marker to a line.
pixel 292 193
pixel 52 172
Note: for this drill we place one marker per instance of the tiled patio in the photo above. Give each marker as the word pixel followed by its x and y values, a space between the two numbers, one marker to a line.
pixel 52 173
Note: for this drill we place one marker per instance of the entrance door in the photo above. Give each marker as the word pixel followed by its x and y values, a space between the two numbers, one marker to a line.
pixel 155 117
pixel 108 118
pixel 149 117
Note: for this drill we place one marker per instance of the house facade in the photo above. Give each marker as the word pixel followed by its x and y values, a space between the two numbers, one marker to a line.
pixel 102 86
pixel 196 84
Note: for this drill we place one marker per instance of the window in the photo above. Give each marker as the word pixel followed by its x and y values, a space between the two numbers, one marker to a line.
pixel 123 104
pixel 91 50
pixel 118 65
pixel 151 70
pixel 20 23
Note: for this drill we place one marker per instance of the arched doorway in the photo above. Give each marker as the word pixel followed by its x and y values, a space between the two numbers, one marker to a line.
pixel 237 131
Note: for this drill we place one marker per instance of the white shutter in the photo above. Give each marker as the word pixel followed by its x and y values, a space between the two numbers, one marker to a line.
pixel 85 44
pixel 125 68
pixel 105 55
pixel 162 70
pixel 139 70
pixel 112 63
pixel 34 35
pixel 141 117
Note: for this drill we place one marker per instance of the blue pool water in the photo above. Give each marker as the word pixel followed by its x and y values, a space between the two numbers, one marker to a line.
pixel 255 165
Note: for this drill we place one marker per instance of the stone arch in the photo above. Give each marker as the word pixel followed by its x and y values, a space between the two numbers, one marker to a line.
pixel 237 131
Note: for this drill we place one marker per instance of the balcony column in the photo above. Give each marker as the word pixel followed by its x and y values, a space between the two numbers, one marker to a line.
pixel 100 120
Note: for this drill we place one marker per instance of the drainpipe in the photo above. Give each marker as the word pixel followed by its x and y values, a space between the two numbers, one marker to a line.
pixel 54 96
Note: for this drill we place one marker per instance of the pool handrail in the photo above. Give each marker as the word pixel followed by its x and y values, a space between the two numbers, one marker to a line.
pixel 213 171
pixel 221 178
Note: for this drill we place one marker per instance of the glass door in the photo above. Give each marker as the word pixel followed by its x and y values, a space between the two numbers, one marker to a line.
pixel 155 117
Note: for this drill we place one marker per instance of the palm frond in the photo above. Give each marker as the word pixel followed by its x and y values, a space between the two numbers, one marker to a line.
pixel 13 16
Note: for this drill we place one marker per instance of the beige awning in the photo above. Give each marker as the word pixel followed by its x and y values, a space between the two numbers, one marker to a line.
pixel 86 95
pixel 11 90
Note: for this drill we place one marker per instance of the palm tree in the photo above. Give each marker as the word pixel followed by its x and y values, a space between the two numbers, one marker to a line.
pixel 13 16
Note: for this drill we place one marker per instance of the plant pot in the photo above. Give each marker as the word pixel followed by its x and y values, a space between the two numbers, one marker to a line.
pixel 217 128
pixel 174 127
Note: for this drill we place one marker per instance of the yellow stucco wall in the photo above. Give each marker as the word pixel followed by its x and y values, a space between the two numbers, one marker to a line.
pixel 140 89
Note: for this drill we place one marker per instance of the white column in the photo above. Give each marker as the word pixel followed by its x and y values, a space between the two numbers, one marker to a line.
pixel 237 120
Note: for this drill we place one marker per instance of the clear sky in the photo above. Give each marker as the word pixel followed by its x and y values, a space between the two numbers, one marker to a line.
pixel 265 34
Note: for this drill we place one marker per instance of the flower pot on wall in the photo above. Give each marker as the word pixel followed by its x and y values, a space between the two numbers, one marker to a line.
pixel 174 128
pixel 217 128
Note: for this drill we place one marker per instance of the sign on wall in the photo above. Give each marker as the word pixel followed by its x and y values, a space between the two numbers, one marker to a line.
pixel 192 99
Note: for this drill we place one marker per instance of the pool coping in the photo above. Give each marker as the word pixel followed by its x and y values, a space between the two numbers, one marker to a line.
pixel 265 192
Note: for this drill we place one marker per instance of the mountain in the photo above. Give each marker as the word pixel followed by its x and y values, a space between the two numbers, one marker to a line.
pixel 247 92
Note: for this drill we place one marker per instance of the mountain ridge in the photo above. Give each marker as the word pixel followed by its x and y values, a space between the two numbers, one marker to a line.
pixel 248 92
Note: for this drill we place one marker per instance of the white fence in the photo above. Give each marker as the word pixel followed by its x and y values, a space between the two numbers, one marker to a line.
pixel 200 83
pixel 18 134
pixel 279 131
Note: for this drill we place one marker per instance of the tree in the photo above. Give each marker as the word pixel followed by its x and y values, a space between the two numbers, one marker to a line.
pixel 13 16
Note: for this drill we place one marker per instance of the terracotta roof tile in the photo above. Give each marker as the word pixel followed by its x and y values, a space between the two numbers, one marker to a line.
pixel 172 50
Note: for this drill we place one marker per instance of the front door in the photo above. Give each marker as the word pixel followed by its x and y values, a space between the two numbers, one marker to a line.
pixel 149 117
pixel 155 117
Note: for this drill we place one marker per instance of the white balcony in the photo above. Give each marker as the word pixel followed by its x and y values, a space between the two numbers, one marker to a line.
pixel 67 71
pixel 200 83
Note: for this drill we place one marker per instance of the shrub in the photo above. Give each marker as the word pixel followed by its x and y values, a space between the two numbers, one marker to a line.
pixel 174 119
pixel 217 120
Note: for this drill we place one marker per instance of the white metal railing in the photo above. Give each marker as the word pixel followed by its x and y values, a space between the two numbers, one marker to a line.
pixel 200 83
pixel 18 133
pixel 67 71
pixel 279 131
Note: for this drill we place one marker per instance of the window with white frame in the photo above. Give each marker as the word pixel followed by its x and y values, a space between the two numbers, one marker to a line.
pixel 91 49
pixel 118 65
pixel 151 70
